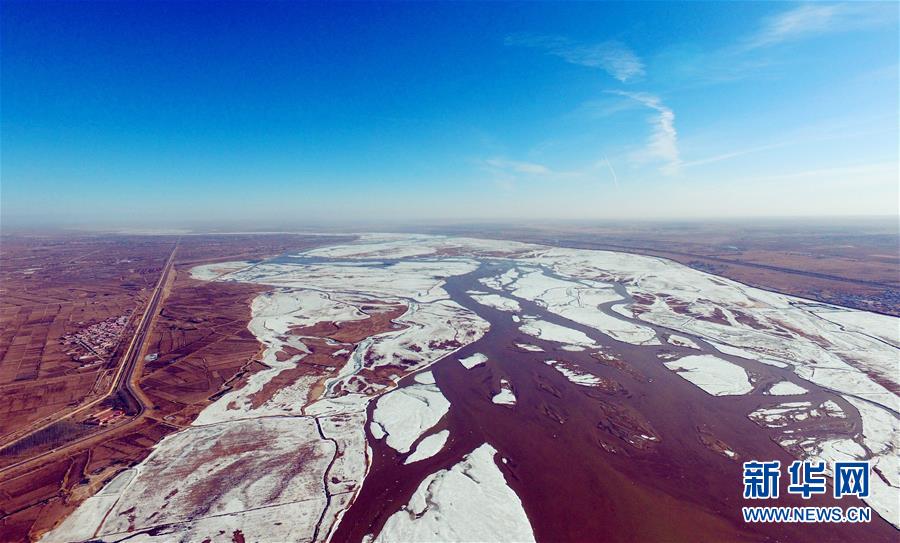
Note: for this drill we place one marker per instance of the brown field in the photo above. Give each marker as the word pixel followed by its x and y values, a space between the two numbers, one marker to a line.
pixel 53 286
pixel 50 287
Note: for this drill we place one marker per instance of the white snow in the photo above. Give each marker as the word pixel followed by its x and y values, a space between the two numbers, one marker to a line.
pixel 87 518
pixel 210 272
pixel 714 375
pixel 579 302
pixel 883 327
pixel 849 352
pixel 506 396
pixel 786 388
pixel 549 331
pixel 832 409
pixel 424 378
pixel 428 447
pixel 469 502
pixel 276 462
pixel 406 413
pixel 881 435
pixel 497 302
pixel 476 359
pixel 573 373
pixel 782 414
pixel 377 430
pixel 500 281
pixel 681 341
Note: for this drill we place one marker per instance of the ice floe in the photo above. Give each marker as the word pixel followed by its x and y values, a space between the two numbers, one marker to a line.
pixel 782 414
pixel 785 388
pixel 424 378
pixel 406 413
pixel 506 396
pixel 476 359
pixel 497 302
pixel 469 502
pixel 428 447
pixel 714 375
pixel 681 341
pixel 549 331
pixel 573 373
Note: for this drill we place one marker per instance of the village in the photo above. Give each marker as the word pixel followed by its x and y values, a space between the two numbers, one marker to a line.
pixel 97 342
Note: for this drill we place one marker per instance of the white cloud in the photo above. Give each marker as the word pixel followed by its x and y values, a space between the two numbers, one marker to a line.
pixel 528 168
pixel 612 56
pixel 815 19
pixel 611 170
pixel 663 142
pixel 506 172
pixel 733 154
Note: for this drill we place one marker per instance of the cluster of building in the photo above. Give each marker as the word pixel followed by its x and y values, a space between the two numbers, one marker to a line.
pixel 97 342
pixel 106 417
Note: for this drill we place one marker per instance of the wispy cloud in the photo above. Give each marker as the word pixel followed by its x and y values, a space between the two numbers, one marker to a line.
pixel 506 172
pixel 827 130
pixel 663 142
pixel 758 52
pixel 611 170
pixel 814 19
pixel 612 56
pixel 733 154
pixel 516 166
pixel 852 175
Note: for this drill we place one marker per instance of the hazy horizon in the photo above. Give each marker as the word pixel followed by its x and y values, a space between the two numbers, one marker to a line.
pixel 873 223
pixel 167 115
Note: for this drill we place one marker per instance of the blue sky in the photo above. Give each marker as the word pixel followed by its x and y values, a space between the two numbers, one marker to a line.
pixel 170 113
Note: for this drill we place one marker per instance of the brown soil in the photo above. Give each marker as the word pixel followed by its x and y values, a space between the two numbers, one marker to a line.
pixel 199 336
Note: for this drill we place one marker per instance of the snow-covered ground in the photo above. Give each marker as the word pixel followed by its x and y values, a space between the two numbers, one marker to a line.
pixel 210 272
pixel 578 301
pixel 209 472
